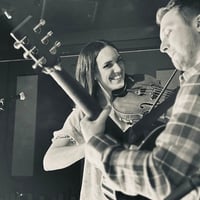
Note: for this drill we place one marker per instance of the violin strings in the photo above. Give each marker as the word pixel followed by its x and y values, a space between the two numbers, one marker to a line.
pixel 163 89
pixel 154 91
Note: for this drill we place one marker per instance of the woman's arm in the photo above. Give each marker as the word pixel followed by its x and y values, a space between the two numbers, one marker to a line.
pixel 61 154
pixel 67 144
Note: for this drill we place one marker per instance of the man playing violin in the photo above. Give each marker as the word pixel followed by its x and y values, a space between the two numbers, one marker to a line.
pixel 101 70
pixel 175 159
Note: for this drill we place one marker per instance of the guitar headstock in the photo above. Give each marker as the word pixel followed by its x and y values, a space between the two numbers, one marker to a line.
pixel 38 44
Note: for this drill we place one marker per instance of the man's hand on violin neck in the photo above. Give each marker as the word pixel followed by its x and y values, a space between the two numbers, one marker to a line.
pixel 90 127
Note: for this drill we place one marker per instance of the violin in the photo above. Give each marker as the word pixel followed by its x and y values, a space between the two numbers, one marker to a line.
pixel 139 95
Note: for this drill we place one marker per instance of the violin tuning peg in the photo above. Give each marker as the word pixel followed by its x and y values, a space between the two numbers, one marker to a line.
pixel 130 122
pixel 120 119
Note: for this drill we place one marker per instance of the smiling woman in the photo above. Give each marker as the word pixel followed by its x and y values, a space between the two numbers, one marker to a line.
pixel 110 70
pixel 101 71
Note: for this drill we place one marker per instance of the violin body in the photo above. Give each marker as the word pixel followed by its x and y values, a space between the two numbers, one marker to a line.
pixel 139 97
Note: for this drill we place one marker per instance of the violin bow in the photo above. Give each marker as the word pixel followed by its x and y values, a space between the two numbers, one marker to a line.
pixel 163 90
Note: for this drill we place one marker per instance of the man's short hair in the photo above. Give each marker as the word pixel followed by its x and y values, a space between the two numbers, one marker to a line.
pixel 187 8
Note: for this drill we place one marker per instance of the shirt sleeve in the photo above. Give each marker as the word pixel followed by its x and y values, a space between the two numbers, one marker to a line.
pixel 70 132
pixel 155 173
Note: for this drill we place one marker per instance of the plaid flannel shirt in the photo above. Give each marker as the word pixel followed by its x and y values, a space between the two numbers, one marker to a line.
pixel 155 174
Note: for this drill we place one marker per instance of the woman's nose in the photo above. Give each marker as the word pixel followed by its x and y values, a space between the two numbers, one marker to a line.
pixel 117 67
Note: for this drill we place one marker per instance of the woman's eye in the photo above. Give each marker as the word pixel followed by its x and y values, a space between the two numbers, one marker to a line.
pixel 108 65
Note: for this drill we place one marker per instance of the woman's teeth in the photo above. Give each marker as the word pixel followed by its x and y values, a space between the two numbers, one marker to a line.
pixel 116 77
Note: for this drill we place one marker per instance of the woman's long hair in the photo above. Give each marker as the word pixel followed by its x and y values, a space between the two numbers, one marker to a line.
pixel 86 64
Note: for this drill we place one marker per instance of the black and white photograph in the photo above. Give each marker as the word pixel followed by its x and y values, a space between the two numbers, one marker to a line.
pixel 100 100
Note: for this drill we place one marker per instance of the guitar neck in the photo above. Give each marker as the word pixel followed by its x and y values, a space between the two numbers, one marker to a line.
pixel 77 93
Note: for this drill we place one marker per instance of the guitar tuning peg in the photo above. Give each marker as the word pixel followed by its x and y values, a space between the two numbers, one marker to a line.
pixel 53 49
pixel 40 62
pixel 19 43
pixel 30 52
pixel 45 40
pixel 37 28
pixel 25 55
pixel 34 50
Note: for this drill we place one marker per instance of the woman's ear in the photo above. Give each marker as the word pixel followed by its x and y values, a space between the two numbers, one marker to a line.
pixel 197 22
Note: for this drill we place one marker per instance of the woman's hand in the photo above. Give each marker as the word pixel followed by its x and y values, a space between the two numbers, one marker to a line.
pixel 90 128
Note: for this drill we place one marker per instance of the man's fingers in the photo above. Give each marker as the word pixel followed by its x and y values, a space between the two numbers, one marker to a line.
pixel 104 114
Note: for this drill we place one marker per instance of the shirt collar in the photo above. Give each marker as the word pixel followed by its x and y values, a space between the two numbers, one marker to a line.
pixel 189 73
pixel 103 91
